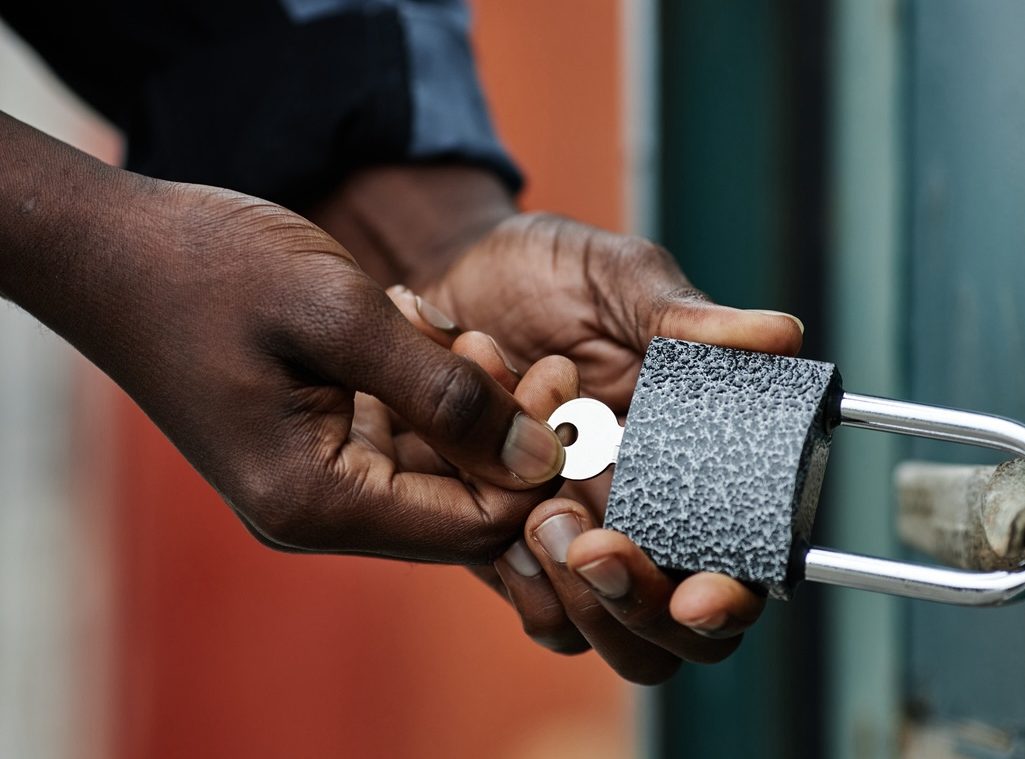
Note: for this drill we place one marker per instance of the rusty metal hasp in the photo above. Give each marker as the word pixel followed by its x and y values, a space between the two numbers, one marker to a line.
pixel 721 461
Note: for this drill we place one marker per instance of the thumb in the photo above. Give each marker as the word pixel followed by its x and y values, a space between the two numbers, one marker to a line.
pixel 690 316
pixel 448 400
pixel 648 296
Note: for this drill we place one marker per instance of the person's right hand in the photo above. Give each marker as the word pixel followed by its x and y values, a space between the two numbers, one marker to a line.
pixel 259 330
pixel 249 336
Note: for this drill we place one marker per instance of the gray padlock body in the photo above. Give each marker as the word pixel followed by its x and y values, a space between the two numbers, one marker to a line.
pixel 722 460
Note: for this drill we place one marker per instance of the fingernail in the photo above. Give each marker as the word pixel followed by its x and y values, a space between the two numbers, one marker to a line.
pixel 713 626
pixel 532 451
pixel 607 576
pixel 798 322
pixel 522 560
pixel 433 316
pixel 556 533
pixel 502 356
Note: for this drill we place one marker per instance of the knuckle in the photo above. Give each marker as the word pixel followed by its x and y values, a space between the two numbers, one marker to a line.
pixel 587 612
pixel 684 294
pixel 548 626
pixel 631 254
pixel 646 619
pixel 547 621
pixel 670 301
pixel 458 401
pixel 641 249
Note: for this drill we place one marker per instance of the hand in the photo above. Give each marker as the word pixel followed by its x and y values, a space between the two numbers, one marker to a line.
pixel 576 586
pixel 247 334
pixel 545 285
pixel 255 347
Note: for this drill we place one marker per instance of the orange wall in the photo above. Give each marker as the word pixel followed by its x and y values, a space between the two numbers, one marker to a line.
pixel 226 649
pixel 551 71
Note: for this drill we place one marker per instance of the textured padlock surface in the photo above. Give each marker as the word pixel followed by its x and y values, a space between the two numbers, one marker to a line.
pixel 722 459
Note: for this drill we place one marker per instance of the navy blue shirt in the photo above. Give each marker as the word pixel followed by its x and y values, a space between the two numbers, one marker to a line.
pixel 275 98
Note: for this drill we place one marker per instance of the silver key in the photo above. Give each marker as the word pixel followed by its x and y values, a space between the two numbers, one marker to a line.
pixel 598 435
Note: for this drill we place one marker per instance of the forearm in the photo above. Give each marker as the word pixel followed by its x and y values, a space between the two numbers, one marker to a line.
pixel 407 224
pixel 65 221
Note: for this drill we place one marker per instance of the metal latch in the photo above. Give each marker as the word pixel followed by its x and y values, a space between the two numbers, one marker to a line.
pixel 965 516
pixel 721 461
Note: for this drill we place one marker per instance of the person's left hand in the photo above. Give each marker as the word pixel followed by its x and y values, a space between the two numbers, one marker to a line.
pixel 545 285
pixel 575 586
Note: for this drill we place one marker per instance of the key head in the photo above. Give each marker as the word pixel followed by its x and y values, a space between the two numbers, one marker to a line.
pixel 596 440
pixel 722 460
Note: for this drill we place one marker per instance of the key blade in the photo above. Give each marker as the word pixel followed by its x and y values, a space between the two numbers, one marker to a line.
pixel 598 437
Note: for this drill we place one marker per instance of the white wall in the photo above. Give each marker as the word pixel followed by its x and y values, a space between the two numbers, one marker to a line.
pixel 50 612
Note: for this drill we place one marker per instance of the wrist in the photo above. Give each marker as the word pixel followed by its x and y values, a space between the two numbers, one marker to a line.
pixel 409 224
pixel 67 230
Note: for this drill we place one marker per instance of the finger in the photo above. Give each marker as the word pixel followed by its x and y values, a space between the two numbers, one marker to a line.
pixel 699 621
pixel 414 455
pixel 372 420
pixel 332 492
pixel 551 528
pixel 364 343
pixel 484 351
pixel 547 384
pixel 715 606
pixel 406 302
pixel 428 319
pixel 414 516
pixel 541 611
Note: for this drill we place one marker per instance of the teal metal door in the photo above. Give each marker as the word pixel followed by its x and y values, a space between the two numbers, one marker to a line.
pixel 966 329
pixel 861 163
pixel 742 208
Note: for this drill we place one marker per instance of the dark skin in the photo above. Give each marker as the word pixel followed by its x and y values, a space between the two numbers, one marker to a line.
pixel 245 333
pixel 541 285
pixel 638 629
pixel 327 420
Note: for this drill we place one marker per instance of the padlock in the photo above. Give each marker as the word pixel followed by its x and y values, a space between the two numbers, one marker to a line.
pixel 721 461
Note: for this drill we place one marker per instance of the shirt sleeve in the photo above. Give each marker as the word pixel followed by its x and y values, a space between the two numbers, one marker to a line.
pixel 275 98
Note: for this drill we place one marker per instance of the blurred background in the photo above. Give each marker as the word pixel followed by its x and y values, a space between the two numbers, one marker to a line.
pixel 860 163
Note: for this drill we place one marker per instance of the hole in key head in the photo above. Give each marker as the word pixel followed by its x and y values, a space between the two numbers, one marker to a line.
pixel 567 433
